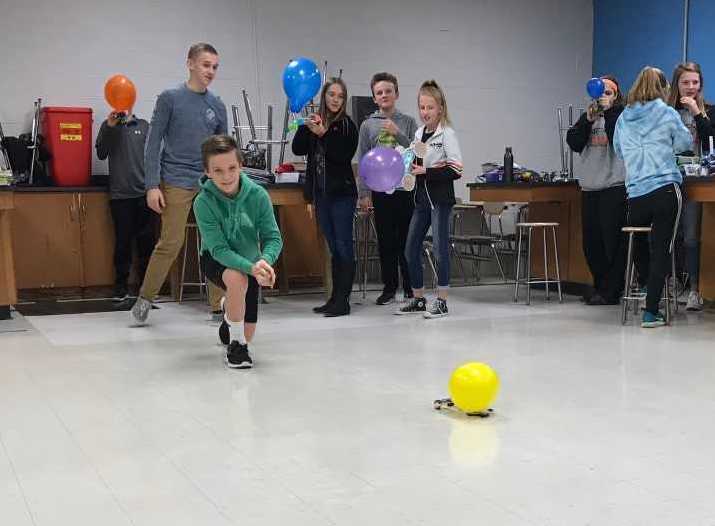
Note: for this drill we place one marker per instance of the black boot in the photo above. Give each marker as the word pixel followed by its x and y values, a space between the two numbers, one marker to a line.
pixel 341 305
pixel 331 300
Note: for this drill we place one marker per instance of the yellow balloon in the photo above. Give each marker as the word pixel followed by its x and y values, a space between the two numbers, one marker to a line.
pixel 473 387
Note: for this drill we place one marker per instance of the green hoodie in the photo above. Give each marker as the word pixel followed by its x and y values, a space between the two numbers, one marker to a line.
pixel 235 228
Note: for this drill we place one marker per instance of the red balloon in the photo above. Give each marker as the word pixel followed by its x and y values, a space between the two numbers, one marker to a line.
pixel 120 93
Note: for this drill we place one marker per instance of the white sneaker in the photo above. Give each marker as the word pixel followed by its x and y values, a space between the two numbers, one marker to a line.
pixel 140 312
pixel 695 301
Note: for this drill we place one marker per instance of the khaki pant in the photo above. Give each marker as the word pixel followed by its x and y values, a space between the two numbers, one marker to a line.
pixel 173 231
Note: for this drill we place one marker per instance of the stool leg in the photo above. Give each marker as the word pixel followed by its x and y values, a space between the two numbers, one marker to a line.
pixel 546 265
pixel 518 265
pixel 183 269
pixel 528 268
pixel 675 282
pixel 202 284
pixel 365 240
pixel 558 270
pixel 628 280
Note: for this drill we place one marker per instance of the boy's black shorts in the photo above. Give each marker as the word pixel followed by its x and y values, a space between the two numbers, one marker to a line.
pixel 213 270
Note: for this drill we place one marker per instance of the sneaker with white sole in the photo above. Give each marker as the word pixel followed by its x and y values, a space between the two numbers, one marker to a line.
pixel 140 311
pixel 413 306
pixel 695 301
pixel 237 356
pixel 438 309
pixel 651 320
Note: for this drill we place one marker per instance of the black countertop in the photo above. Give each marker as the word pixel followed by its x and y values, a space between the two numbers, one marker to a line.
pixel 572 182
pixel 73 189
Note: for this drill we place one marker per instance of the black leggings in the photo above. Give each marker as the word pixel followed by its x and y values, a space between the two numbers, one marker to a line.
pixel 659 210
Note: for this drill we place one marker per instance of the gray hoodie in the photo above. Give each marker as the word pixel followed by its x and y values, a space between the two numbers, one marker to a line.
pixel 370 131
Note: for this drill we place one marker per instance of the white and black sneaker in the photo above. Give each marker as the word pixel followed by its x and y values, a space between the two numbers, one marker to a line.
pixel 237 356
pixel 140 311
pixel 385 298
pixel 414 306
pixel 224 330
pixel 438 309
pixel 120 292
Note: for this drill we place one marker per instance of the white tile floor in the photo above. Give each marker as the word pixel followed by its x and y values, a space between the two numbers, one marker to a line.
pixel 596 424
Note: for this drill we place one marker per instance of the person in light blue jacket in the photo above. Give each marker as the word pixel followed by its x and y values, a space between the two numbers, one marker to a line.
pixel 648 135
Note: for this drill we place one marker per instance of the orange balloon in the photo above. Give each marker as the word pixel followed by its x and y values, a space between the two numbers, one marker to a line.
pixel 120 93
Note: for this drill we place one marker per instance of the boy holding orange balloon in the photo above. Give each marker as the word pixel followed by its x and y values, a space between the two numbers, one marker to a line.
pixel 121 138
pixel 183 118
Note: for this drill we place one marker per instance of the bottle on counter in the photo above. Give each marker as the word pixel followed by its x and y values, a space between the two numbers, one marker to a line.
pixel 508 166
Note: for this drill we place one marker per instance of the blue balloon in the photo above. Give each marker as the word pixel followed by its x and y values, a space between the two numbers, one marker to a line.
pixel 595 87
pixel 301 82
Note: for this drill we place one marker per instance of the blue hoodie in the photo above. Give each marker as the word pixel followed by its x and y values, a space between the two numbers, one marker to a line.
pixel 647 137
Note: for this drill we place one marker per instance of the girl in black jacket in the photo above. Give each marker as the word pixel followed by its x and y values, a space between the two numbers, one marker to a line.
pixel 602 176
pixel 329 140
pixel 686 96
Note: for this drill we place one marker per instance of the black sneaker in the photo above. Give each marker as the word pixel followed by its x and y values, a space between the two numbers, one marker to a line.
pixel 120 292
pixel 224 333
pixel 224 330
pixel 237 356
pixel 385 298
pixel 414 306
pixel 438 309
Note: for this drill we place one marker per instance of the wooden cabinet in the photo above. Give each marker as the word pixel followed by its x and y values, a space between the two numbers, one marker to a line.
pixel 8 290
pixel 62 239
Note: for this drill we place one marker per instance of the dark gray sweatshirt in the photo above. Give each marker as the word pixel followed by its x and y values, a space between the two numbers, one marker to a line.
pixel 181 122
pixel 124 145
pixel 370 131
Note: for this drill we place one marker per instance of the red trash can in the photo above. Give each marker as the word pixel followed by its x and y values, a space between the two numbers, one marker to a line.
pixel 68 136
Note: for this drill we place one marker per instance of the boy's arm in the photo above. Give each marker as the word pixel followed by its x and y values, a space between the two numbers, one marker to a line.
pixel 268 232
pixel 577 136
pixel 223 119
pixel 157 130
pixel 363 148
pixel 213 240
pixel 405 139
pixel 105 140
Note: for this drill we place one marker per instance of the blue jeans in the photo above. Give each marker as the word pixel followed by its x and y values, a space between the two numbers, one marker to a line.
pixel 335 217
pixel 422 217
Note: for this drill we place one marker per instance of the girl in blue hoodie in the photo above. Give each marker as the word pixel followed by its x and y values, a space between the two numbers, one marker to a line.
pixel 648 135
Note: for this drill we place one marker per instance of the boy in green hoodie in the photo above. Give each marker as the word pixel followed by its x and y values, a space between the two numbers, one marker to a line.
pixel 240 242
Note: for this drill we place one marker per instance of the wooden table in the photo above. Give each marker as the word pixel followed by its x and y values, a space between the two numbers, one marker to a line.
pixel 702 189
pixel 559 202
pixel 8 289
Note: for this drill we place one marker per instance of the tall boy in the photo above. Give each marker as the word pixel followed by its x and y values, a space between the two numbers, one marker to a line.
pixel 183 118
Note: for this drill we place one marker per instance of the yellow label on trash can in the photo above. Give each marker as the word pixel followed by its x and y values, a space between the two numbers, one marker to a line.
pixel 70 131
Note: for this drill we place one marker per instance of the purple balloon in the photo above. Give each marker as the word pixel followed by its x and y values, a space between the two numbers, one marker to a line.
pixel 382 169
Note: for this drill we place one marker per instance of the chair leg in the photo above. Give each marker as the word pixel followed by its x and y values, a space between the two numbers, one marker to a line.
pixel 518 264
pixel 497 258
pixel 628 280
pixel 558 270
pixel 203 286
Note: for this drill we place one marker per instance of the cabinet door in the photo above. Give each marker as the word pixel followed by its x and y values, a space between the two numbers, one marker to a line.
pixel 97 239
pixel 46 240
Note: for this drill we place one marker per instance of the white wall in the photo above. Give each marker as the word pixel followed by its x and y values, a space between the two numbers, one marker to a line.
pixel 504 64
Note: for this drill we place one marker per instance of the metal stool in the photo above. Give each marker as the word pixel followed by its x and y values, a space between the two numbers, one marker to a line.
pixel 201 284
pixel 529 281
pixel 632 295
pixel 364 231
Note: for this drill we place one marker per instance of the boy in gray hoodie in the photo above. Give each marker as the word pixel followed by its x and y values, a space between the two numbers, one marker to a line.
pixel 393 212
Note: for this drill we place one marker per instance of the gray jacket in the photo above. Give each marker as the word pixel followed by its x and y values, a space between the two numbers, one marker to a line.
pixel 370 131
